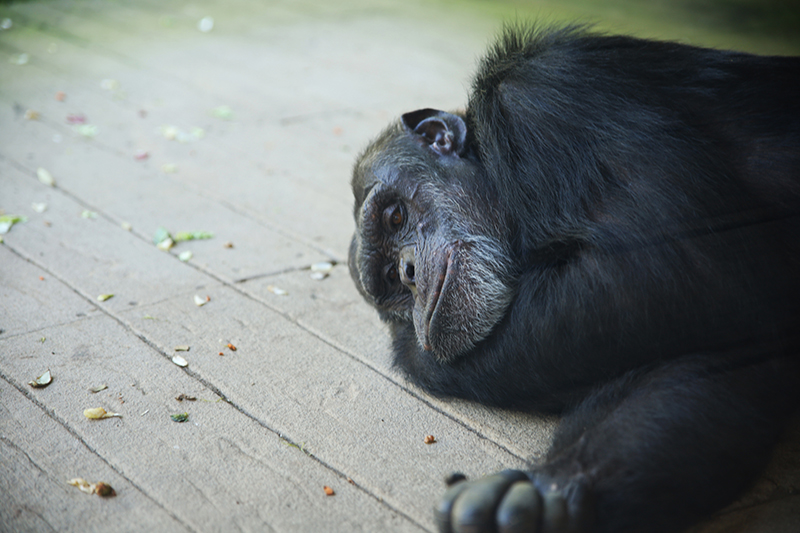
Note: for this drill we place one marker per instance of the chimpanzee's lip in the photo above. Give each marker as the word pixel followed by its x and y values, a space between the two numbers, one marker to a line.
pixel 441 275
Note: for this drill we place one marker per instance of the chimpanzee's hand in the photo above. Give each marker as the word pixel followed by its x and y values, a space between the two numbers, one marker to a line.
pixel 513 501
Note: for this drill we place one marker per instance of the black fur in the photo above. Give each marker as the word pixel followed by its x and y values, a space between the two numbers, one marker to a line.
pixel 611 228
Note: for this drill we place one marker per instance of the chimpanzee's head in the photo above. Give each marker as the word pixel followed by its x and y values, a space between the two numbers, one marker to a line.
pixel 428 248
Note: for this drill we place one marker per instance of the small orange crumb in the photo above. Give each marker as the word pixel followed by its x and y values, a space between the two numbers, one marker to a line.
pixel 104 490
pixel 328 490
pixel 231 347
pixel 430 439
pixel 221 353
pixel 228 245
pixel 61 96
pixel 41 278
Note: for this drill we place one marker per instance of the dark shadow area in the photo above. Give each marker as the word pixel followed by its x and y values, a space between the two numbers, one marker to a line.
pixel 766 17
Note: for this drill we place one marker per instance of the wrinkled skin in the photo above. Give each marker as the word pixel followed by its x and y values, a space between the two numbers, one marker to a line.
pixel 609 231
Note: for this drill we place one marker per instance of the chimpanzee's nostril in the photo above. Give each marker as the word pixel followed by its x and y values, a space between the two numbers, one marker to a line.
pixel 410 271
pixel 406 266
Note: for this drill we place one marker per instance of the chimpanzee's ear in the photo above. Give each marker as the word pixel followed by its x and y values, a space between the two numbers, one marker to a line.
pixel 444 132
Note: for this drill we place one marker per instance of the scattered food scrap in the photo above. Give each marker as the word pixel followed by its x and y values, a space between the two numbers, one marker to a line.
pixel 185 255
pixel 228 245
pixel 87 130
pixel 100 488
pixel 324 266
pixel 109 85
pixel 39 207
pixel 224 112
pixel 98 413
pixel 231 347
pixel 76 119
pixel 141 155
pixel 126 226
pixel 180 361
pixel 276 290
pixel 6 221
pixel 430 439
pixel 179 417
pixel 42 381
pixel 182 348
pixel 104 297
pixel 351 481
pixel 182 397
pixel 97 389
pixel 88 214
pixel 30 114
pixel 45 177
pixel 21 59
pixel 199 301
pixel 206 24
pixel 169 168
pixel 328 491
pixel 61 96
pixel 173 133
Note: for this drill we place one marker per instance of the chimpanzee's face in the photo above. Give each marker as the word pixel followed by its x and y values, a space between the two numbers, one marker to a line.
pixel 427 250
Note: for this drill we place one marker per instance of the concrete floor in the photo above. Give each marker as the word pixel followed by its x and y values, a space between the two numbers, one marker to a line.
pixel 247 131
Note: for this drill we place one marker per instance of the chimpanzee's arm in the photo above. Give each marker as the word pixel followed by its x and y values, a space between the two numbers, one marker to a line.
pixel 652 451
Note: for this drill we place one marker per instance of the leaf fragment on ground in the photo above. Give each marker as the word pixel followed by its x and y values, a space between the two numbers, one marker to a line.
pixel 180 361
pixel 42 381
pixel 98 413
pixel 6 221
pixel 179 417
pixel 104 297
pixel 276 290
pixel 192 235
pixel 45 177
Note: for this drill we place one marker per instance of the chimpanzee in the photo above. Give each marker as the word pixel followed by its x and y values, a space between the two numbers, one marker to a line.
pixel 610 230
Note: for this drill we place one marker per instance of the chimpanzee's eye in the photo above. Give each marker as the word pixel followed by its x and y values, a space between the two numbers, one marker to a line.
pixel 393 217
pixel 391 274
